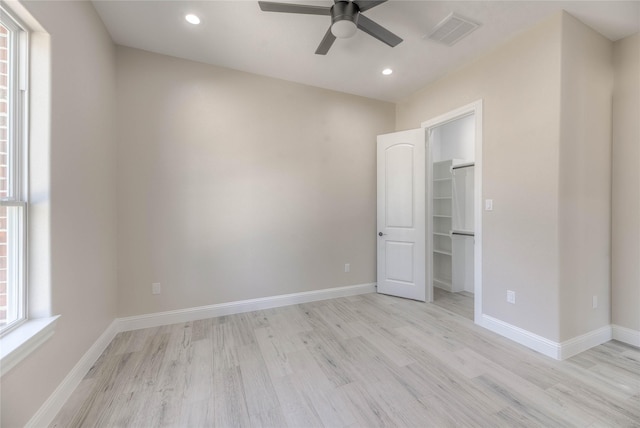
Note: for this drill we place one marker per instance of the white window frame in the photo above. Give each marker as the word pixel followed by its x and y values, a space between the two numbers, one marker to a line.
pixel 17 137
pixel 35 328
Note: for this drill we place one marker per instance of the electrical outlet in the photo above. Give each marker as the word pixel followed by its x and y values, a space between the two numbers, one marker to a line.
pixel 347 267
pixel 155 288
pixel 488 204
pixel 595 302
pixel 511 297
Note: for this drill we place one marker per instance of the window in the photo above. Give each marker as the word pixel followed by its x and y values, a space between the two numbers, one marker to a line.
pixel 23 328
pixel 13 172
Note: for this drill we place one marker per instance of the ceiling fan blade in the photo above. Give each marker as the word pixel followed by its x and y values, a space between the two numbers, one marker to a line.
pixel 269 6
pixel 368 4
pixel 326 43
pixel 377 31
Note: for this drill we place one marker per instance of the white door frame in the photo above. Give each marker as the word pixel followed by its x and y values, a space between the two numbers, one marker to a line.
pixel 476 109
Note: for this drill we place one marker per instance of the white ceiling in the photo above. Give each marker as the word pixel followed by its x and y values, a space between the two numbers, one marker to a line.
pixel 238 35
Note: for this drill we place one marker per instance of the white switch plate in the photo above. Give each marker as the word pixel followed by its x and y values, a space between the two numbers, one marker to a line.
pixel 488 204
pixel 511 296
pixel 595 302
pixel 347 267
pixel 155 288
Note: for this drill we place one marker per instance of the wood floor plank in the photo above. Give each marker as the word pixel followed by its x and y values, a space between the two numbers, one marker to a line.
pixel 273 352
pixel 329 354
pixel 460 303
pixel 517 392
pixel 307 372
pixel 377 373
pixel 195 414
pixel 260 395
pixel 366 410
pixel 224 346
pixel 297 411
pixel 199 374
pixel 597 405
pixel 443 382
pixel 269 418
pixel 74 403
pixel 113 374
pixel 342 326
pixel 230 407
pixel 384 346
pixel 360 361
pixel 309 394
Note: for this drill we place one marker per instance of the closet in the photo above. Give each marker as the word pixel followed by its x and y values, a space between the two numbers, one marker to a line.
pixel 452 154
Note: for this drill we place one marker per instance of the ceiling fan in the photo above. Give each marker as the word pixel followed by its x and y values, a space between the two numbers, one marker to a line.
pixel 346 19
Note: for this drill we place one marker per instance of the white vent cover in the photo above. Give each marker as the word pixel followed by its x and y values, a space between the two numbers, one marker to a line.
pixel 452 29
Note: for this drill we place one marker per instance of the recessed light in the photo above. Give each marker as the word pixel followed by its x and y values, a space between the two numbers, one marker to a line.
pixel 387 71
pixel 192 19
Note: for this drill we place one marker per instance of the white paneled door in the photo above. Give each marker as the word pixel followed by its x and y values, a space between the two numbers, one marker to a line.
pixel 401 214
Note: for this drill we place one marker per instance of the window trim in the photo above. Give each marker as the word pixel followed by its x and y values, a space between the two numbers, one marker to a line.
pixel 38 324
pixel 18 343
pixel 39 298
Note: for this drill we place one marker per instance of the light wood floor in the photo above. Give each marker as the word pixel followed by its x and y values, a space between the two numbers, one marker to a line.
pixel 460 303
pixel 363 361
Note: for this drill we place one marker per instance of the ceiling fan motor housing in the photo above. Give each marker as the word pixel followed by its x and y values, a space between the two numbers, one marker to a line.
pixel 344 19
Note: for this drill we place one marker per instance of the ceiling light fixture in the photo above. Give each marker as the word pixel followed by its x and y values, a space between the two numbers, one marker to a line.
pixel 387 71
pixel 344 19
pixel 344 29
pixel 192 19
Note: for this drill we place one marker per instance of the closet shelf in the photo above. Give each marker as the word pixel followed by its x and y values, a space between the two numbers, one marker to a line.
pixel 449 261
pixel 446 253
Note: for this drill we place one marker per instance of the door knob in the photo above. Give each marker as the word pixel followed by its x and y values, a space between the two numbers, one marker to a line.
pixel 381 234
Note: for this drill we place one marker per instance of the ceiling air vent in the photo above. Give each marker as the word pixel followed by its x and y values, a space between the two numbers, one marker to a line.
pixel 452 29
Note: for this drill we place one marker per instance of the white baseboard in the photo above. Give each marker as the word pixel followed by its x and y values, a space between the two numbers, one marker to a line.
pixel 44 416
pixel 530 340
pixel 581 343
pixel 203 312
pixel 626 335
pixel 555 350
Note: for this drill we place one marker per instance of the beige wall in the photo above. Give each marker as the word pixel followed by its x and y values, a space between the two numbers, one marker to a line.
pixel 626 184
pixel 81 203
pixel 520 87
pixel 233 186
pixel 547 166
pixel 585 179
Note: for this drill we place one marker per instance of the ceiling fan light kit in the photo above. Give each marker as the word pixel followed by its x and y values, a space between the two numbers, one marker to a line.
pixel 344 29
pixel 343 19
pixel 346 19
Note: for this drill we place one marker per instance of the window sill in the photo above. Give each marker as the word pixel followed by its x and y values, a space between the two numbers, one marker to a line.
pixel 25 339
